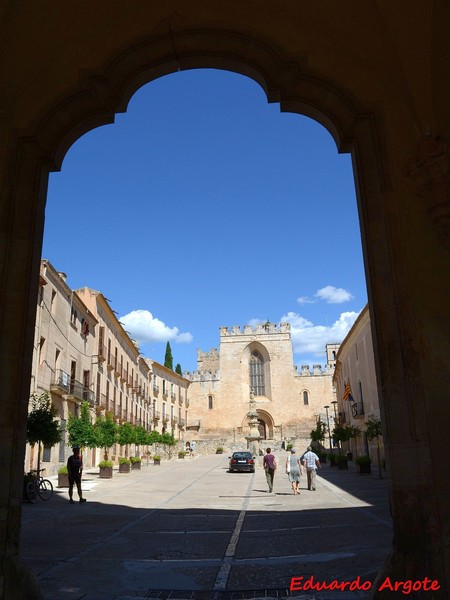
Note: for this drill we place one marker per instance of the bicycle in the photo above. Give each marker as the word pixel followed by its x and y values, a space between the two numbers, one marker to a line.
pixel 38 486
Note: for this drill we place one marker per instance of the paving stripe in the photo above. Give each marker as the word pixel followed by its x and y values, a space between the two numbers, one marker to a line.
pixel 224 571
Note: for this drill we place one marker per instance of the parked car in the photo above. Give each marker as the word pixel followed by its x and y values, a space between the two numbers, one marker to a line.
pixel 242 461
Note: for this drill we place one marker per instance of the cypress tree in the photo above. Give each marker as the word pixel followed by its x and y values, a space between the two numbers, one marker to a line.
pixel 178 369
pixel 168 359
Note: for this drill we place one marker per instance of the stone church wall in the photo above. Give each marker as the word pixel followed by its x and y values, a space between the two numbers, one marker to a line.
pixel 292 401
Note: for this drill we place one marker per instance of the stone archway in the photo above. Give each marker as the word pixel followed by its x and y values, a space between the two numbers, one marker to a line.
pixel 374 107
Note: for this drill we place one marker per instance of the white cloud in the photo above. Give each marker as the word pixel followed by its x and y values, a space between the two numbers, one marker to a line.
pixel 311 339
pixel 333 295
pixel 145 328
pixel 305 300
pixel 255 322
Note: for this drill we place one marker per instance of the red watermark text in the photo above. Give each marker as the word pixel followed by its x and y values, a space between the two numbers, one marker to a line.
pixel 405 587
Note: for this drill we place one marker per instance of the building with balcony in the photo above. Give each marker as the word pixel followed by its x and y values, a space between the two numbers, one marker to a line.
pixel 64 343
pixel 169 392
pixel 82 353
pixel 356 385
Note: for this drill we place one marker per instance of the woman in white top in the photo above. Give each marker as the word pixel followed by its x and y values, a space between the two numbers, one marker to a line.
pixel 293 469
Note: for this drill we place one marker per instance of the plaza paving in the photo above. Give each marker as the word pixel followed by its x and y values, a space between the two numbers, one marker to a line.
pixel 190 529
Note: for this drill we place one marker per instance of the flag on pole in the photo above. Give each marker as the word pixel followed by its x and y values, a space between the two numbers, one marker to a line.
pixel 348 392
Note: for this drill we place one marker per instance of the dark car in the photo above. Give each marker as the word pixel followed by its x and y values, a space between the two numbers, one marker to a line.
pixel 242 461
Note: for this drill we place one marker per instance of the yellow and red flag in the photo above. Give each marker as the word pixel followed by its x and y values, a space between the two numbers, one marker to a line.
pixel 348 392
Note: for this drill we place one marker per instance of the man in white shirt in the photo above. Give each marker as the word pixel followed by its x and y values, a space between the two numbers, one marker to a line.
pixel 311 461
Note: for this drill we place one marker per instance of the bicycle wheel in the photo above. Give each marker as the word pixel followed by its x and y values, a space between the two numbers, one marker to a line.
pixel 31 492
pixel 45 489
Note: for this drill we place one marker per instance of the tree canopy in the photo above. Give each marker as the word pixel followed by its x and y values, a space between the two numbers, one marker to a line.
pixel 42 425
pixel 105 429
pixel 168 359
pixel 81 430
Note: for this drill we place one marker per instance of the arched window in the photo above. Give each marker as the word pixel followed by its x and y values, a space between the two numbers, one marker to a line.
pixel 257 373
pixel 305 398
pixel 210 402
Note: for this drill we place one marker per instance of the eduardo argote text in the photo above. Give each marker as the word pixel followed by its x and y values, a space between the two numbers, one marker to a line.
pixel 405 587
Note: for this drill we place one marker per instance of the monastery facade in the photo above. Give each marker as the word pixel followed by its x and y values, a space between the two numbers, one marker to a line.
pixel 257 361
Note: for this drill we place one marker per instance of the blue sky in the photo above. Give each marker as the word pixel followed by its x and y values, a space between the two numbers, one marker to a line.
pixel 204 206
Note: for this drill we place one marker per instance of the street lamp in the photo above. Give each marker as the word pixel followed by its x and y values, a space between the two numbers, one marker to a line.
pixel 334 402
pixel 328 423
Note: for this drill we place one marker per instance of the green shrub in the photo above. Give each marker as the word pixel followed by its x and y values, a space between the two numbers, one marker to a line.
pixel 340 458
pixel 135 459
pixel 156 457
pixel 219 450
pixel 124 461
pixel 63 470
pixel 364 459
pixel 104 464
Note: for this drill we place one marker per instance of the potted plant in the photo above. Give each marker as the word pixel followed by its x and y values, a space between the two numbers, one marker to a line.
pixel 124 465
pixel 63 477
pixel 156 459
pixel 374 432
pixel 135 462
pixel 322 456
pixel 27 478
pixel 332 459
pixel 181 453
pixel 364 462
pixel 106 469
pixel 219 450
pixel 341 461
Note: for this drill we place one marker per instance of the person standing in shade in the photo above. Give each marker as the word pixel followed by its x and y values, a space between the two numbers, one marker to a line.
pixel 270 465
pixel 75 470
pixel 293 469
pixel 311 461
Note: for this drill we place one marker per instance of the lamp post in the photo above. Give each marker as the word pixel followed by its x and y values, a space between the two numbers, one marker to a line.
pixel 328 423
pixel 334 402
pixel 336 423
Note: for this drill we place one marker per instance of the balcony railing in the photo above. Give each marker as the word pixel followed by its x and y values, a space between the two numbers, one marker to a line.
pixel 111 361
pixel 78 391
pixel 172 396
pixel 61 383
pixel 103 402
pixel 102 352
pixel 156 415
pixel 156 389
pixel 181 422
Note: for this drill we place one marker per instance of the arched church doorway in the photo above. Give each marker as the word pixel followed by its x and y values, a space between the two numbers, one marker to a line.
pixel 379 119
pixel 262 429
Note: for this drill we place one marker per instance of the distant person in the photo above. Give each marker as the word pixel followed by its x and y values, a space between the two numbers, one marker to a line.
pixel 270 466
pixel 294 470
pixel 75 470
pixel 193 447
pixel 312 463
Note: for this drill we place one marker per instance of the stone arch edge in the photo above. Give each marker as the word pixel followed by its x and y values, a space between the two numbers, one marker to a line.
pixel 102 93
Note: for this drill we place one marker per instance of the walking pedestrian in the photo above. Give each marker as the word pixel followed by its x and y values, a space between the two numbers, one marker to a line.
pixel 311 461
pixel 270 465
pixel 294 469
pixel 75 470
